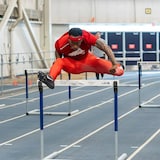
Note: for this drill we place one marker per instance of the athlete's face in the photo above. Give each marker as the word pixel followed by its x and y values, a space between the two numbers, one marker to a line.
pixel 75 44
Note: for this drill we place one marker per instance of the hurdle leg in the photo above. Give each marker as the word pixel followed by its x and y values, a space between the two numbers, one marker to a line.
pixel 139 82
pixel 116 118
pixel 124 155
pixel 69 95
pixel 26 79
pixel 41 117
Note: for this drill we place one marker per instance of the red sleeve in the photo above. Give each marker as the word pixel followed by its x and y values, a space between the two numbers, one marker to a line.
pixel 61 42
pixel 57 46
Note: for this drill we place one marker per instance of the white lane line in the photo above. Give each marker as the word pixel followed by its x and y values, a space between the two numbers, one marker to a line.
pixel 8 144
pixel 52 106
pixel 79 97
pixel 11 119
pixel 33 99
pixel 66 118
pixel 2 105
pixel 150 100
pixel 134 147
pixel 75 146
pixel 91 133
pixel 51 124
pixel 19 137
pixel 143 145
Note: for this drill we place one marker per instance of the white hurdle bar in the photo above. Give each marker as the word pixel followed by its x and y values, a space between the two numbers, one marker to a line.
pixel 113 83
pixel 85 82
pixel 128 58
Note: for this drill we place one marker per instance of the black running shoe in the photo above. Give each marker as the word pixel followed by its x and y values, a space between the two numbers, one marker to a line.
pixel 46 79
pixel 122 65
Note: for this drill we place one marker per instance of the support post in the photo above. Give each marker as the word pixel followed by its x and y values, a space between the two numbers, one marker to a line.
pixel 69 95
pixel 124 155
pixel 116 118
pixel 26 79
pixel 41 117
pixel 139 82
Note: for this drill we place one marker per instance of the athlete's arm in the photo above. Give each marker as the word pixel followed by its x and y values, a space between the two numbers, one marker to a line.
pixel 104 47
pixel 57 55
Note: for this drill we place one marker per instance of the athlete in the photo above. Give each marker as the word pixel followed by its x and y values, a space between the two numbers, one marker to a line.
pixel 72 51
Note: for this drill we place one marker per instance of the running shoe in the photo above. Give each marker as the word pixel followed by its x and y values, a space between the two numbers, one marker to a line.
pixel 46 79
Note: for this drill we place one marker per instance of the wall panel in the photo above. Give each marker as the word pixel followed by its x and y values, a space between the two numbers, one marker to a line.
pixel 104 11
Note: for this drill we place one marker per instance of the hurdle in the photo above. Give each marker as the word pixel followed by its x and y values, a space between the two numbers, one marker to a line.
pixel 113 83
pixel 140 71
pixel 37 111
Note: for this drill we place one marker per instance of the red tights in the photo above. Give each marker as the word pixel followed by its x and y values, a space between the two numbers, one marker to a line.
pixel 90 63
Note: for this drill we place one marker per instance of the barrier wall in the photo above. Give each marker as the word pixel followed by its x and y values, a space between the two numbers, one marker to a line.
pixel 143 45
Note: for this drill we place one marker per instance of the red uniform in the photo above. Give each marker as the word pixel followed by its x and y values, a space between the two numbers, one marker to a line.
pixel 80 60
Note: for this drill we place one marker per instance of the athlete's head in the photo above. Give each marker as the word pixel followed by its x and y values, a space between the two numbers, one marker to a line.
pixel 75 38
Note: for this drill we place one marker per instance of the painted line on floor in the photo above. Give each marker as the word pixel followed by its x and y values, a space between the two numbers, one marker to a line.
pixel 143 145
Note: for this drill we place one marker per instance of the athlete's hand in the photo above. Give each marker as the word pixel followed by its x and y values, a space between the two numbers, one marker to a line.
pixel 113 69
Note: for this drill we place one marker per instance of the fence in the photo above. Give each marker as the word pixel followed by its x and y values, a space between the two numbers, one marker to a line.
pixel 12 66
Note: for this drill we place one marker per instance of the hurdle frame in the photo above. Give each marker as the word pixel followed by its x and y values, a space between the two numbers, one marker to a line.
pixel 37 111
pixel 113 83
pixel 143 105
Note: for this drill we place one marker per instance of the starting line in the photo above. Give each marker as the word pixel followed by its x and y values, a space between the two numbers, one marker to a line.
pixel 113 83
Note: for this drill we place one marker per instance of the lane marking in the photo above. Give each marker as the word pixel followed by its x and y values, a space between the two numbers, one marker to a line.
pixel 75 146
pixel 8 144
pixel 2 105
pixel 29 133
pixel 11 119
pixel 134 147
pixel 46 96
pixel 92 133
pixel 66 118
pixel 143 145
pixel 52 106
pixel 51 124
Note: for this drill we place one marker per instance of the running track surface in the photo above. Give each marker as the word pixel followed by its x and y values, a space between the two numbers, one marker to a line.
pixel 88 134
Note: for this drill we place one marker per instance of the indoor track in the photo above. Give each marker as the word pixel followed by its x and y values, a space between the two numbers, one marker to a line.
pixel 89 134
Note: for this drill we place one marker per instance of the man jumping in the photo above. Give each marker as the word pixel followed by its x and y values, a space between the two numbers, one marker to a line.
pixel 73 56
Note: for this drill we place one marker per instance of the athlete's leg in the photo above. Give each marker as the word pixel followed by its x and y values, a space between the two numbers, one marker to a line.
pixel 90 63
pixel 99 65
pixel 67 64
pixel 56 68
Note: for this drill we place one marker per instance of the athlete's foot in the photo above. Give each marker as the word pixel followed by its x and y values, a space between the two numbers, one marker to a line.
pixel 120 69
pixel 46 79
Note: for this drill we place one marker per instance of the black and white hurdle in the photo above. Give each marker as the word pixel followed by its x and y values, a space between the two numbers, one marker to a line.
pixel 113 83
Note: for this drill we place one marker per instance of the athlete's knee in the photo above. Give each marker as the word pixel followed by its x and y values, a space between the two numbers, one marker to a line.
pixel 58 62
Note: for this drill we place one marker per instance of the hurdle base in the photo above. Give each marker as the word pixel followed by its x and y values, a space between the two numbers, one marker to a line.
pixel 123 157
pixel 149 106
pixel 51 156
pixel 37 112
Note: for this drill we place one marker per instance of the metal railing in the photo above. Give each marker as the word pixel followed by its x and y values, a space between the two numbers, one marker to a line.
pixel 12 66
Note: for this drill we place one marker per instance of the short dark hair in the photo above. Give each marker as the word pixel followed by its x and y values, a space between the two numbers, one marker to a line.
pixel 75 32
